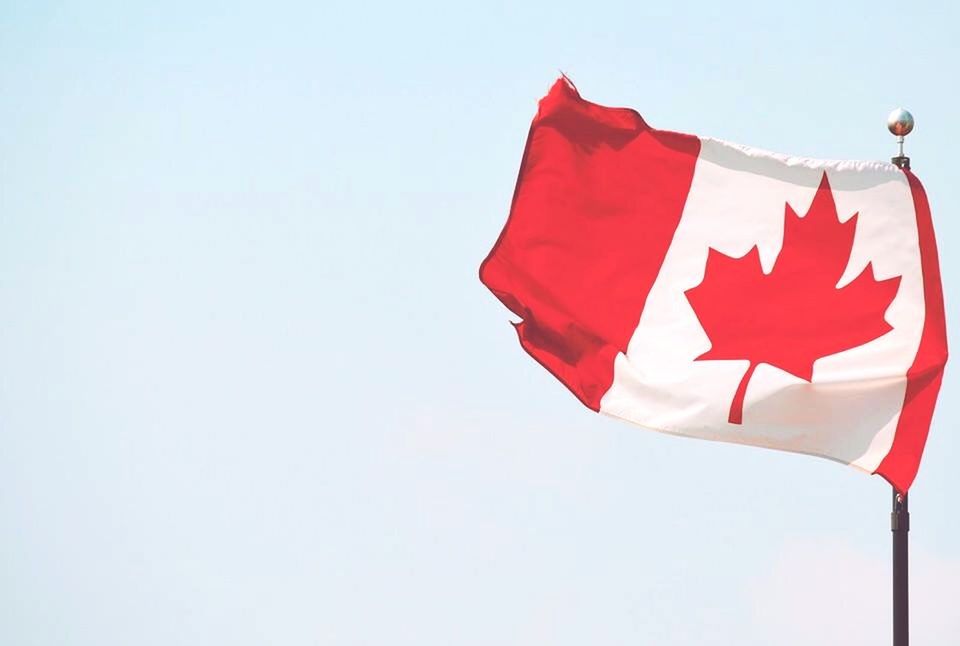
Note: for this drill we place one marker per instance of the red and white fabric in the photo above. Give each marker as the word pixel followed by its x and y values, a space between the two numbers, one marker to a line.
pixel 706 289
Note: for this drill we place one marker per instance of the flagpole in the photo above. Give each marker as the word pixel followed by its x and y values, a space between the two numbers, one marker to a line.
pixel 900 526
pixel 900 123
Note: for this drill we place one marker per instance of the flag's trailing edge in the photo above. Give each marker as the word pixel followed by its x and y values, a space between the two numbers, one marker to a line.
pixel 706 289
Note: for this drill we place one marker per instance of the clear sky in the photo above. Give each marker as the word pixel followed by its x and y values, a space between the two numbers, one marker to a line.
pixel 252 392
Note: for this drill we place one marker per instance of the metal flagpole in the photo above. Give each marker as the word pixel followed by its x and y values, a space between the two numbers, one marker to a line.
pixel 900 525
pixel 900 123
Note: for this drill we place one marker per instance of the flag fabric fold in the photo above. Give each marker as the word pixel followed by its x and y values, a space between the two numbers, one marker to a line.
pixel 701 288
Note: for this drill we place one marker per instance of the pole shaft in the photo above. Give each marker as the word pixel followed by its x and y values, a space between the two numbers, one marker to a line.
pixel 900 526
pixel 900 520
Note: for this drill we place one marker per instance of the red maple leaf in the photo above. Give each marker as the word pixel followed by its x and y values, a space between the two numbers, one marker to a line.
pixel 794 315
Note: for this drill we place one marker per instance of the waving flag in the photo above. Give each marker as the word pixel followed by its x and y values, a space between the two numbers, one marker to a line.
pixel 701 288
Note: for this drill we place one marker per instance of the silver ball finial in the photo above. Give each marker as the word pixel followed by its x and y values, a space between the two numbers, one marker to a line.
pixel 900 122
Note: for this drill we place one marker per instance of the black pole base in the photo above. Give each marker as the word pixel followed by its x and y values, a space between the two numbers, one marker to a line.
pixel 900 526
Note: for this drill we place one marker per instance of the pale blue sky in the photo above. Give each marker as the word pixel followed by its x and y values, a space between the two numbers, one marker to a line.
pixel 252 392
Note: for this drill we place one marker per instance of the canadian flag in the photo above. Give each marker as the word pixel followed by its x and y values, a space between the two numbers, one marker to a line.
pixel 706 289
